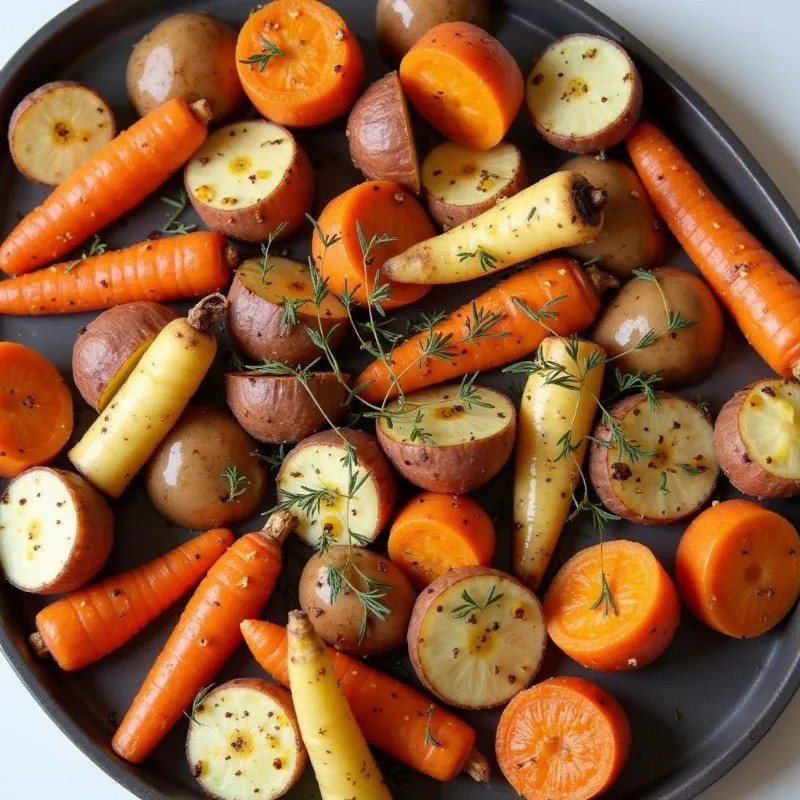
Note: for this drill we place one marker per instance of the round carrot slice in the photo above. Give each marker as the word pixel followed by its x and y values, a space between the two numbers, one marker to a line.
pixel 614 609
pixel 737 568
pixel 381 208
pixel 434 533
pixel 464 82
pixel 299 63
pixel 563 739
pixel 35 410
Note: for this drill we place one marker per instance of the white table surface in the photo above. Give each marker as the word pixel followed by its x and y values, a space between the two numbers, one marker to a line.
pixel 741 55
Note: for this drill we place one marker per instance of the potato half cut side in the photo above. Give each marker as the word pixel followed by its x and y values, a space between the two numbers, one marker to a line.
pixel 676 470
pixel 56 531
pixel 583 93
pixel 248 179
pixel 58 128
pixel 446 440
pixel 459 183
pixel 757 437
pixel 477 637
pixel 244 741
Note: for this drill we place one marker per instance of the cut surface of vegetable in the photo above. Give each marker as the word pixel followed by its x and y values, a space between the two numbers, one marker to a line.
pixel 56 129
pixel 477 637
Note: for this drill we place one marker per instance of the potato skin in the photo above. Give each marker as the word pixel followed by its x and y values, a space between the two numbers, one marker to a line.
pixel 277 409
pixel 339 624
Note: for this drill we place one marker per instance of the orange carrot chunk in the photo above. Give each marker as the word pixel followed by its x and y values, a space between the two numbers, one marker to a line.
pixel 737 568
pixel 621 623
pixel 563 739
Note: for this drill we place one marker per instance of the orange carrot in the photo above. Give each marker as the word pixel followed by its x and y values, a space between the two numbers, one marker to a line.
pixel 493 329
pixel 563 738
pixel 759 293
pixel 35 410
pixel 160 270
pixel 737 568
pixel 236 588
pixel 612 609
pixel 93 622
pixel 299 63
pixel 464 82
pixel 111 182
pixel 380 207
pixel 392 716
pixel 435 532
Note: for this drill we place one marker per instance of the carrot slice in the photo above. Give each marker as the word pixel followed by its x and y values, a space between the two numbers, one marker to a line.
pixel 35 410
pixel 299 63
pixel 464 82
pixel 380 207
pixel 623 628
pixel 563 738
pixel 737 568
pixel 435 532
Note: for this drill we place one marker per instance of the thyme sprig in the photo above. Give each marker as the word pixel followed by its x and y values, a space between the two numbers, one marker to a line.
pixel 470 606
pixel 173 226
pixel 429 737
pixel 237 483
pixel 263 264
pixel 197 704
pixel 486 260
pixel 269 50
pixel 96 248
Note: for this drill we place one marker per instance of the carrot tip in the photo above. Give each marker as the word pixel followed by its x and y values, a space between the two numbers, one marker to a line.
pixel 601 281
pixel 202 111
pixel 37 643
pixel 280 525
pixel 208 311
pixel 477 767
pixel 231 256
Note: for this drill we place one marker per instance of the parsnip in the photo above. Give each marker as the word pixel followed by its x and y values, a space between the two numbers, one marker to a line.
pixel 561 210
pixel 150 401
pixel 343 764
pixel 543 482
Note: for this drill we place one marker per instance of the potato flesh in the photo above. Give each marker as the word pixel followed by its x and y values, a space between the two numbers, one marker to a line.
pixel 239 165
pixel 250 727
pixel 38 528
pixel 769 424
pixel 485 657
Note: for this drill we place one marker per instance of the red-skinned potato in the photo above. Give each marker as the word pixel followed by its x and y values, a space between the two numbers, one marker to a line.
pixel 757 438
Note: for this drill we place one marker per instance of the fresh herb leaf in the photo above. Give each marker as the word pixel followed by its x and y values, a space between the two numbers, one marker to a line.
pixel 237 483
pixel 197 704
pixel 469 606
pixel 269 50
pixel 486 261
pixel 173 226
pixel 96 248
pixel 606 599
pixel 429 737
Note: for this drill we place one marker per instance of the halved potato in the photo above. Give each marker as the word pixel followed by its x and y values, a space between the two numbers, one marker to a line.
pixel 446 442
pixel 676 471
pixel 583 93
pixel 244 741
pixel 757 438
pixel 459 183
pixel 249 178
pixel 318 465
pixel 58 128
pixel 110 346
pixel 256 321
pixel 56 531
pixel 278 409
pixel 477 637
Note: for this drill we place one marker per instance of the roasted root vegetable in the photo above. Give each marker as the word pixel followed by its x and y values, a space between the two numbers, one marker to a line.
pixel 91 623
pixel 35 409
pixel 612 607
pixel 583 93
pixel 559 211
pixel 757 438
pixel 434 533
pixel 114 180
pixel 652 461
pixel 477 637
pixel 58 128
pixel 393 717
pixel 236 588
pixel 148 404
pixel 449 438
pixel 336 746
pixel 244 741
pixel 547 470
pixel 565 737
pixel 464 82
pixel 314 483
pixel 56 531
pixel 250 178
pixel 459 183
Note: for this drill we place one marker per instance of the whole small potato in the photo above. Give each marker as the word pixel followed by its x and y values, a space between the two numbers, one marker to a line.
pixel 340 623
pixel 203 475
pixel 192 56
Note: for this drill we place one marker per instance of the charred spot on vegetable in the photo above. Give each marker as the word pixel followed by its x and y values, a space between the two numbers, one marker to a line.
pixel 587 200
